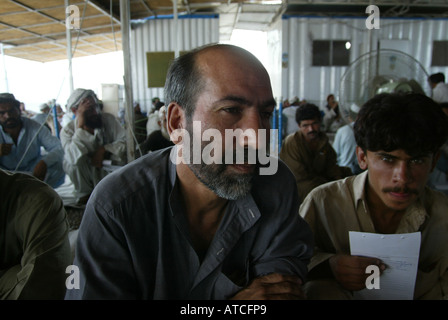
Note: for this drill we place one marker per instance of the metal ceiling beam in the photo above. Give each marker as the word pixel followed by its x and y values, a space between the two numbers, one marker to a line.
pixel 103 10
pixel 148 8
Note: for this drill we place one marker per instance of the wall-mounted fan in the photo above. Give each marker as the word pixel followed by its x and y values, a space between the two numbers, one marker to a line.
pixel 377 72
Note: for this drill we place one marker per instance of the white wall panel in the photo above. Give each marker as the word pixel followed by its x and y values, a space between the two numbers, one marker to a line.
pixel 161 35
pixel 301 79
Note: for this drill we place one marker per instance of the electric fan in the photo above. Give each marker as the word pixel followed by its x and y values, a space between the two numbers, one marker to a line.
pixel 377 72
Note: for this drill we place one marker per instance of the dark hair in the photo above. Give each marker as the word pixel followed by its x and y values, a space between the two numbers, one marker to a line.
pixel 308 111
pixel 9 98
pixel 437 77
pixel 408 121
pixel 184 82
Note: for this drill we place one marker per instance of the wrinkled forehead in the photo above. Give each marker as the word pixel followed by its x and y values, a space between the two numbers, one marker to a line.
pixel 232 62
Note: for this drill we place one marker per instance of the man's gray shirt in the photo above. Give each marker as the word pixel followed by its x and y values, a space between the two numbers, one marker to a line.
pixel 133 242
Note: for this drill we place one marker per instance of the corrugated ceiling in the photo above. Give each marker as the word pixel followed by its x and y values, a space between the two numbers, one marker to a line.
pixel 36 29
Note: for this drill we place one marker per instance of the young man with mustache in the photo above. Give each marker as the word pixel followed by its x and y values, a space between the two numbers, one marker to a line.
pixel 309 154
pixel 398 140
pixel 166 229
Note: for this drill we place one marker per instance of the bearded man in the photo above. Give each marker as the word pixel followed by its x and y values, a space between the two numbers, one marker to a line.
pixel 89 139
pixel 169 226
pixel 22 141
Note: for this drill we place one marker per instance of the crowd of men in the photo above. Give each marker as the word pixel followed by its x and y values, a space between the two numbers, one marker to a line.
pixel 167 226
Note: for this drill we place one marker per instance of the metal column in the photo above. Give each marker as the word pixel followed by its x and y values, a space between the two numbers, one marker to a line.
pixel 69 49
pixel 125 17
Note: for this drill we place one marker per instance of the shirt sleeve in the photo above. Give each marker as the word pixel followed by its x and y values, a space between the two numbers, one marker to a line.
pixel 99 236
pixel 42 229
pixel 76 143
pixel 309 212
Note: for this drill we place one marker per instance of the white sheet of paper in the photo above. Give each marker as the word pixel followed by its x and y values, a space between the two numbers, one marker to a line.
pixel 399 252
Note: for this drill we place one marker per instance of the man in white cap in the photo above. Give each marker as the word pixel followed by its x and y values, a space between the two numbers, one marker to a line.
pixel 88 140
pixel 21 140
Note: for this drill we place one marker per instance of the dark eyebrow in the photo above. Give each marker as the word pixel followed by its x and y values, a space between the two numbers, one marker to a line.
pixel 418 156
pixel 244 101
pixel 385 154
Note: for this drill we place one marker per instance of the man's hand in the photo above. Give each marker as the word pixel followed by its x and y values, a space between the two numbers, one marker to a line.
pixel 5 149
pixel 98 157
pixel 85 108
pixel 40 170
pixel 350 271
pixel 273 286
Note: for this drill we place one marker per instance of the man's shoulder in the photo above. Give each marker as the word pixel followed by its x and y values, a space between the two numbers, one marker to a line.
pixel 30 123
pixel 293 139
pixel 341 188
pixel 436 202
pixel 276 174
pixel 26 187
pixel 109 118
pixel 140 175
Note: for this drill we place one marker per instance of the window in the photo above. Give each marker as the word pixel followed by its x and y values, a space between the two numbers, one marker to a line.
pixel 439 53
pixel 331 53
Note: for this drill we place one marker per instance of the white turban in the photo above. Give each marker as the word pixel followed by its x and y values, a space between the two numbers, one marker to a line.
pixel 77 96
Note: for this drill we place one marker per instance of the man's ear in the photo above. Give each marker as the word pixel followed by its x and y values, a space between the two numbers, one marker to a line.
pixel 175 115
pixel 362 158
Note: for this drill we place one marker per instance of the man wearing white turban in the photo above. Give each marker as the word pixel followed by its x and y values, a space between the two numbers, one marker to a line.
pixel 89 139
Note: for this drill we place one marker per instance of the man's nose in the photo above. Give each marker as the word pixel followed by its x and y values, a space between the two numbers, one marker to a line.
pixel 402 172
pixel 251 123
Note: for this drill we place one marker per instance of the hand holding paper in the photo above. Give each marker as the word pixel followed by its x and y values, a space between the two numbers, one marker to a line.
pixel 399 252
pixel 350 271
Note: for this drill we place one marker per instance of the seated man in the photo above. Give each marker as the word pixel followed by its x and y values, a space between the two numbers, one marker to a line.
pixel 21 143
pixel 35 246
pixel 88 140
pixel 309 154
pixel 398 138
pixel 165 227
pixel 345 144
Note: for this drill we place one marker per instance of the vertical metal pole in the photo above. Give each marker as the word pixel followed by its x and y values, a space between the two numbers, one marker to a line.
pixel 69 51
pixel 273 141
pixel 280 119
pixel 55 117
pixel 176 29
pixel 125 17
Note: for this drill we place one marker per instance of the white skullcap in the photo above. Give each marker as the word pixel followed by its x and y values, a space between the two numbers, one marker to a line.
pixel 76 97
